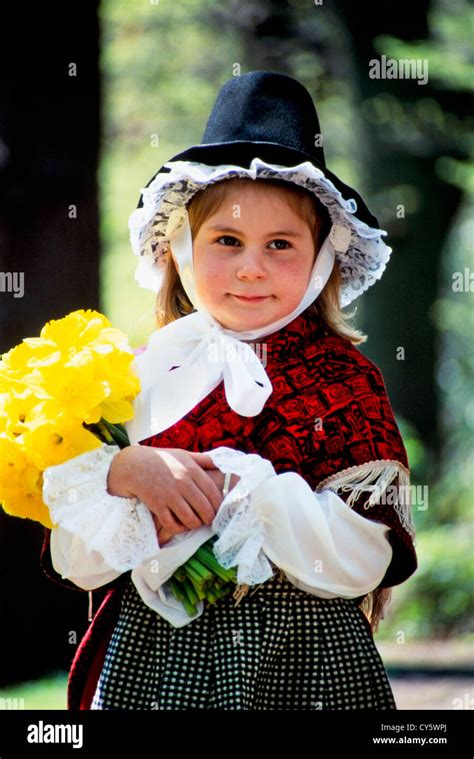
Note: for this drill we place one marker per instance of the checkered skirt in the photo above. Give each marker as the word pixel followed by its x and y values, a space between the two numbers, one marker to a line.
pixel 279 648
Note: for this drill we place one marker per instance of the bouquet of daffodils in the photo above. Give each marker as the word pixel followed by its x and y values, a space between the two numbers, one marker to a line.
pixel 67 392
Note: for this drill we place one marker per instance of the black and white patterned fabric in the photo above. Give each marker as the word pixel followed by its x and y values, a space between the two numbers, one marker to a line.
pixel 280 648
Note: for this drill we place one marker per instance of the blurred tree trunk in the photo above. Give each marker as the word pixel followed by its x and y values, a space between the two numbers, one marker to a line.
pixel 49 132
pixel 49 232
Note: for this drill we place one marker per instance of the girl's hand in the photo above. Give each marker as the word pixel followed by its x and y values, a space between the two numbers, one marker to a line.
pixel 218 477
pixel 177 486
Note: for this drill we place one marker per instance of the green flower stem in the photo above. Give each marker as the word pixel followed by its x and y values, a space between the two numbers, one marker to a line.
pixel 211 562
pixel 201 593
pixel 118 433
pixel 104 432
pixel 202 578
pixel 200 581
pixel 190 592
pixel 199 568
pixel 180 596
pixel 180 574
pixel 211 596
pixel 177 589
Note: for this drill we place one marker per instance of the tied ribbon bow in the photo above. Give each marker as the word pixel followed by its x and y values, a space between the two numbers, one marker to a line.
pixel 186 360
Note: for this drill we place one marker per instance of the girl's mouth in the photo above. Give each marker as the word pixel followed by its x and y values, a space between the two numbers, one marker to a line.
pixel 251 298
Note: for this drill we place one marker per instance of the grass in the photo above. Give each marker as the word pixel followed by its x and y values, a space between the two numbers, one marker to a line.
pixel 47 693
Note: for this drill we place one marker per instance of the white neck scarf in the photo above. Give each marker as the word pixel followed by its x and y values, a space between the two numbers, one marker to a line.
pixel 205 353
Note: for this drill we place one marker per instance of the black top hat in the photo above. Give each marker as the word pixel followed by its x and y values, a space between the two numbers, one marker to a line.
pixel 270 116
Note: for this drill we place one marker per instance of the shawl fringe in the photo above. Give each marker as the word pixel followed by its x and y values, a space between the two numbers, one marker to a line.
pixel 242 589
pixel 375 605
pixel 376 476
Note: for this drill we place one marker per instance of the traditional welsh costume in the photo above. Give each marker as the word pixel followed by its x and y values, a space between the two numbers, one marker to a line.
pixel 319 524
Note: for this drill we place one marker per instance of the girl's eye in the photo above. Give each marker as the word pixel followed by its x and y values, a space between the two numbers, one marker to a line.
pixel 284 241
pixel 226 237
pixel 229 237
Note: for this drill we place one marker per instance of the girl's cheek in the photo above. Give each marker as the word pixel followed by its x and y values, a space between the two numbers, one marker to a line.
pixel 219 270
pixel 210 276
pixel 293 271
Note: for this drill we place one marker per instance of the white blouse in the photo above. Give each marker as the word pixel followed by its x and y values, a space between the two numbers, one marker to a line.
pixel 320 543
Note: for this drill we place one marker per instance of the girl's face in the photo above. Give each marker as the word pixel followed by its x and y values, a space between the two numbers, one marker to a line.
pixel 252 259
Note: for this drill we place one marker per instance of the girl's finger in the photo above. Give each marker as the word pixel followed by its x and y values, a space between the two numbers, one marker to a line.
pixel 207 486
pixel 170 523
pixel 203 459
pixel 193 508
pixel 164 536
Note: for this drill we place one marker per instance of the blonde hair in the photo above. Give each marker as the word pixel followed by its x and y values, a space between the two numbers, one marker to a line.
pixel 172 301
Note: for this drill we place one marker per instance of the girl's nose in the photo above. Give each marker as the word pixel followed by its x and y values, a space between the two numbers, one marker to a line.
pixel 251 265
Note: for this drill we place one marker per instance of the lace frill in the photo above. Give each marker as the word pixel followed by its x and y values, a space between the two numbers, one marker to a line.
pixel 120 529
pixel 165 199
pixel 240 529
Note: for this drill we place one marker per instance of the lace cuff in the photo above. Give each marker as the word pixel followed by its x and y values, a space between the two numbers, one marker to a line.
pixel 120 530
pixel 240 527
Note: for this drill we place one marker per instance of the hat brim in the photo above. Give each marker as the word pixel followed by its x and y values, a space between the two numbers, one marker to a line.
pixel 242 154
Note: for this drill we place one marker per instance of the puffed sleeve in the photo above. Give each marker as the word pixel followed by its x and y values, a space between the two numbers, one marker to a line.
pixel 322 546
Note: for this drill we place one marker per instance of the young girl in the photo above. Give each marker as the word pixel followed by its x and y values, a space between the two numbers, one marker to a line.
pixel 258 420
